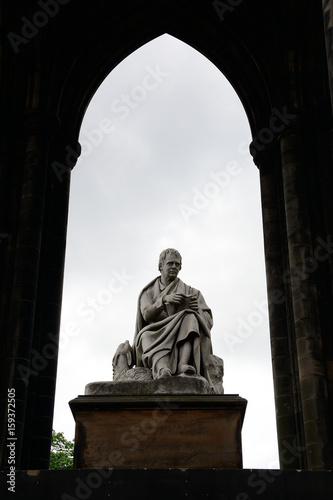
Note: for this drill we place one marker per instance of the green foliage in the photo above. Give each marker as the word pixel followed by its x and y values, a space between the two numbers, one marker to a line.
pixel 62 452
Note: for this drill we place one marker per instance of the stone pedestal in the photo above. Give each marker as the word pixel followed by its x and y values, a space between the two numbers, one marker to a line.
pixel 158 431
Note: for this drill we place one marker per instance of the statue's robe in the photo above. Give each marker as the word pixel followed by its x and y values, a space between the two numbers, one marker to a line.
pixel 160 330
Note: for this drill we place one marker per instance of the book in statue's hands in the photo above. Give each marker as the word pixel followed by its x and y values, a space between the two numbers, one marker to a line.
pixel 186 303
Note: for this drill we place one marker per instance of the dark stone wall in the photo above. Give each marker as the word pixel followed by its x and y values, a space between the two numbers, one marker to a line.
pixel 191 484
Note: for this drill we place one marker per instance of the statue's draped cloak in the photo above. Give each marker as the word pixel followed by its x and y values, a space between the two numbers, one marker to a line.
pixel 163 336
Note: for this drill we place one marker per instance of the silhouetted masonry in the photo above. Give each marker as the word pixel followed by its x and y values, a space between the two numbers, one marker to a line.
pixel 278 57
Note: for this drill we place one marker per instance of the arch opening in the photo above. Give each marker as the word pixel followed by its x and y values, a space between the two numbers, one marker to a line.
pixel 165 162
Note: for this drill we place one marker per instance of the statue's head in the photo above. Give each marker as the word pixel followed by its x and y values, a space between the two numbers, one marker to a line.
pixel 164 255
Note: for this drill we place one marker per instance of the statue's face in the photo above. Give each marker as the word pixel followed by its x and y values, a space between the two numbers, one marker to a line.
pixel 170 268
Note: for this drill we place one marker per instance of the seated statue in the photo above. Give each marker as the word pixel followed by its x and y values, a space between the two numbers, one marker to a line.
pixel 172 336
pixel 173 325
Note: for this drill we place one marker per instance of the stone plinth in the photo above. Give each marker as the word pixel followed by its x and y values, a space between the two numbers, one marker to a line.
pixel 158 431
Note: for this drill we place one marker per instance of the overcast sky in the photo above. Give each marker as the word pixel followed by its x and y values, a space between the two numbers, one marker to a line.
pixel 165 163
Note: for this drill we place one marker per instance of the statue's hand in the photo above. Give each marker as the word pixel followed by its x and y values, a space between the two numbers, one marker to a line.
pixel 174 298
pixel 193 304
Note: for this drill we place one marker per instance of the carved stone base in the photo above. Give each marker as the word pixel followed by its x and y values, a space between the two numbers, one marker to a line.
pixel 158 431
pixel 168 385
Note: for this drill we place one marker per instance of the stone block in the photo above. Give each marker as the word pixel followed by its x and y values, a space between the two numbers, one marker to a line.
pixel 158 431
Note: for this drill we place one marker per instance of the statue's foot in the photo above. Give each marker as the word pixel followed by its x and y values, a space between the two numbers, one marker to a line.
pixel 186 370
pixel 164 372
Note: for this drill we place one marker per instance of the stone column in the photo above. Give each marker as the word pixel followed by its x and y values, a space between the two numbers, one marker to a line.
pixel 312 374
pixel 63 157
pixel 327 176
pixel 20 362
pixel 285 368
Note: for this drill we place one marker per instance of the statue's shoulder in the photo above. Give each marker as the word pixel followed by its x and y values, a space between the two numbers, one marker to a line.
pixel 190 289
